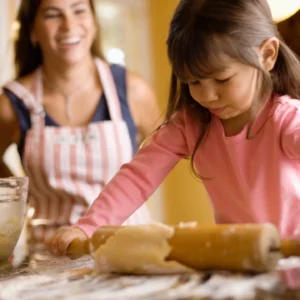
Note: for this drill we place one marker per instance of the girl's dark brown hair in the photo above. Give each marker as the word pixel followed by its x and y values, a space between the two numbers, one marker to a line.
pixel 203 31
pixel 28 56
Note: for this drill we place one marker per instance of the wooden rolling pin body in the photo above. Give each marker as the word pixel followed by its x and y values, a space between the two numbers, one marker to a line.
pixel 238 247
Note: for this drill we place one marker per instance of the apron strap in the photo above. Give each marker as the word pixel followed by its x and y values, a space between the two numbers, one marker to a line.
pixel 36 110
pixel 110 91
pixel 25 95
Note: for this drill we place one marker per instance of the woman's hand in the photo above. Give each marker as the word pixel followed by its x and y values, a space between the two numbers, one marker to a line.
pixel 58 244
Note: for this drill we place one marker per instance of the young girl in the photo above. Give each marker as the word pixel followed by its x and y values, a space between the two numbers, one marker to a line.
pixel 233 110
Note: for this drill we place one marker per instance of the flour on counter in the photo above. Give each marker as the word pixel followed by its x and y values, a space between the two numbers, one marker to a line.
pixel 290 262
pixel 113 287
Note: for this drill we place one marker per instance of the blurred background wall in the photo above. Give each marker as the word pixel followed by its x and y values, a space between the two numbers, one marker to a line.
pixel 184 197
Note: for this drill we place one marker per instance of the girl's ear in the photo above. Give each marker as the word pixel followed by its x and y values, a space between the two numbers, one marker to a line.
pixel 268 52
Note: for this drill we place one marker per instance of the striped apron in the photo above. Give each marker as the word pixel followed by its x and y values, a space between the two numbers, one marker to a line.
pixel 69 166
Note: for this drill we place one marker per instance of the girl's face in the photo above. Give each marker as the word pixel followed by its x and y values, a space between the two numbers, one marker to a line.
pixel 226 94
pixel 64 29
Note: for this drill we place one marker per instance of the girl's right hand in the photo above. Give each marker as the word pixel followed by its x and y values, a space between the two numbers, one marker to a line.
pixel 63 237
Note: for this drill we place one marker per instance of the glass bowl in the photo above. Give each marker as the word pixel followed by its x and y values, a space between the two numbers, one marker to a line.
pixel 13 198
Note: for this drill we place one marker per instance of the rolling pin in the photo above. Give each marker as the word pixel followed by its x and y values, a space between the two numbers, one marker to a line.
pixel 235 247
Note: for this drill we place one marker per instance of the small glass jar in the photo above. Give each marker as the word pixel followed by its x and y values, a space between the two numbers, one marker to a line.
pixel 13 198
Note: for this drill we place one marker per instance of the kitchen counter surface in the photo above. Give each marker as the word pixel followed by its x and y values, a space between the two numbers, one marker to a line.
pixel 47 277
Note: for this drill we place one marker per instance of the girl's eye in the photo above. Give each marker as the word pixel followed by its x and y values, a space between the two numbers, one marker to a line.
pixel 79 11
pixel 223 80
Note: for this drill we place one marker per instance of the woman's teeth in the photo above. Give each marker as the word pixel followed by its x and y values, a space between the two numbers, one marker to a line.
pixel 70 41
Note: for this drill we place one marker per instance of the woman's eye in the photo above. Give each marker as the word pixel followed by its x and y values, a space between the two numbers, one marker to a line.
pixel 51 16
pixel 194 82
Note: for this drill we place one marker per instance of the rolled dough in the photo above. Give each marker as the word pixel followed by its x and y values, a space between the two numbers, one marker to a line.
pixel 138 250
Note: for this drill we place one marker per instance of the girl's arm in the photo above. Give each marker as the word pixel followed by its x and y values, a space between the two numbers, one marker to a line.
pixel 137 180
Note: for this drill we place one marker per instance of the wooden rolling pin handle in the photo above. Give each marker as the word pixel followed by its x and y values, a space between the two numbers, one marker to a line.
pixel 290 247
pixel 78 248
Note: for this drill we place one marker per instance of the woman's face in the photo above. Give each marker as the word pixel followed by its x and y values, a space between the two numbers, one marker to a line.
pixel 64 30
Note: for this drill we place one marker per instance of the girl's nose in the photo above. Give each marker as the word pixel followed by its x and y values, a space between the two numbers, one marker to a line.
pixel 210 94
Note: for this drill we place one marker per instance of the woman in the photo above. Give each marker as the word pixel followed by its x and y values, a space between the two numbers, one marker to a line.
pixel 74 117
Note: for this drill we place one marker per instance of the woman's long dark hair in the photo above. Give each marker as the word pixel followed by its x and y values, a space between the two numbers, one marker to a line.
pixel 202 31
pixel 28 56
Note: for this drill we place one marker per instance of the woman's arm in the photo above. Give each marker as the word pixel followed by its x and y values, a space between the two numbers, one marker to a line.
pixel 9 131
pixel 143 105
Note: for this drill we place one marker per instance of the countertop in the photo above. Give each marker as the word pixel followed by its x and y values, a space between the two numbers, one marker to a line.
pixel 47 277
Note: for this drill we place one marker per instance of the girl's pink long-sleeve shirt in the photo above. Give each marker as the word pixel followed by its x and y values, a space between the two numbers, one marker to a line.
pixel 252 180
